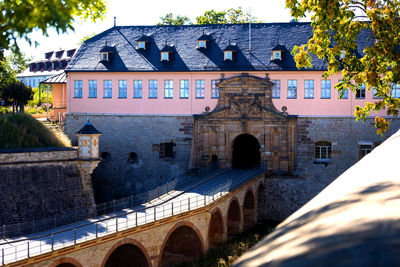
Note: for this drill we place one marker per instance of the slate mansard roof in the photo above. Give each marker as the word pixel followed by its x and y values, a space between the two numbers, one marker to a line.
pixel 265 37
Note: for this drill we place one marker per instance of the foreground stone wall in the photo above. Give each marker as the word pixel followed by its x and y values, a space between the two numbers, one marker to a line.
pixel 37 184
pixel 118 175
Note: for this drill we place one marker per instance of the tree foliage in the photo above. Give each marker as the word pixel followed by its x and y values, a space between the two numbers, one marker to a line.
pixel 336 26
pixel 169 19
pixel 20 17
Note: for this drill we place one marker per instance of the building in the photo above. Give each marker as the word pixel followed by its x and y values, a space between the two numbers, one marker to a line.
pixel 173 99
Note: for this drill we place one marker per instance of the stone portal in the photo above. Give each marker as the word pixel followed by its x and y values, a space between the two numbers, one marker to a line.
pixel 245 129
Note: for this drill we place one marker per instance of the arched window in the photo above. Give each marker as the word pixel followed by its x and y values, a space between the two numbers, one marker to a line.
pixel 132 158
pixel 323 151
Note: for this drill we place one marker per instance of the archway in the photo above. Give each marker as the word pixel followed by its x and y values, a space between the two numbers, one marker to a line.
pixel 127 255
pixel 66 262
pixel 233 223
pixel 260 202
pixel 182 245
pixel 246 152
pixel 249 210
pixel 216 229
pixel 66 265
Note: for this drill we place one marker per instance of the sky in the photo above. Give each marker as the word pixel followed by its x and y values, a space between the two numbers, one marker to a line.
pixel 148 12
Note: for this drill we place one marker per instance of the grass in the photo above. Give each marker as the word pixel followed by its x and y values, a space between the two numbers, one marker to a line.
pixel 225 254
pixel 23 131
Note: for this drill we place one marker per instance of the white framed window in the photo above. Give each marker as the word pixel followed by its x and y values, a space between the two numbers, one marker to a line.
pixel 214 89
pixel 184 89
pixel 323 151
pixel 276 54
pixel 276 88
pixel 308 88
pixel 168 89
pixel 202 44
pixel 77 88
pixel 364 149
pixel 396 90
pixel 152 88
pixel 122 88
pixel 325 89
pixel 228 55
pixel 107 89
pixel 199 88
pixel 360 91
pixel 292 89
pixel 137 89
pixel 104 56
pixel 142 45
pixel 164 56
pixel 92 88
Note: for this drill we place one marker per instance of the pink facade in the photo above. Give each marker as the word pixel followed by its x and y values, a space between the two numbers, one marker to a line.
pixel 300 105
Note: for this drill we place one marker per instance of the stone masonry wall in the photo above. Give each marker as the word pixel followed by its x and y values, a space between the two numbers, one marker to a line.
pixel 117 176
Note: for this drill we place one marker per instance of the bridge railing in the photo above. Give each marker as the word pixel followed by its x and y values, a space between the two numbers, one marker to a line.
pixel 12 251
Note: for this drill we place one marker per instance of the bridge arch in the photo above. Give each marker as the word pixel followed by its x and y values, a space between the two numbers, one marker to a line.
pixel 249 209
pixel 127 251
pixel 260 200
pixel 245 152
pixel 234 218
pixel 216 228
pixel 183 242
pixel 66 262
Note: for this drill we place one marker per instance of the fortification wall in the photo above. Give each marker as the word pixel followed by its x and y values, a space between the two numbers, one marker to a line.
pixel 119 175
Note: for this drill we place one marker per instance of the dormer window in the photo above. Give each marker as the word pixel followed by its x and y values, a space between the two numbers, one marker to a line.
pixel 141 45
pixel 103 56
pixel 202 44
pixel 228 55
pixel 106 53
pixel 276 55
pixel 164 56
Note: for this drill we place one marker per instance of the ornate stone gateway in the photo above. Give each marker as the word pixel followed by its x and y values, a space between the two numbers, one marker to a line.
pixel 245 129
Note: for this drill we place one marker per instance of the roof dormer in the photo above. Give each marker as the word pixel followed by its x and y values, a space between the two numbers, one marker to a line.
pixel 142 42
pixel 106 53
pixel 203 41
pixel 167 52
pixel 277 51
pixel 230 51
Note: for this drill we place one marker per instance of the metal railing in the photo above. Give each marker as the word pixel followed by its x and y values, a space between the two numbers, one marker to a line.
pixel 12 251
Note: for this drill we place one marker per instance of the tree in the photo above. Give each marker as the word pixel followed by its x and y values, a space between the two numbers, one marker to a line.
pixel 231 15
pixel 336 26
pixel 169 19
pixel 19 18
pixel 18 94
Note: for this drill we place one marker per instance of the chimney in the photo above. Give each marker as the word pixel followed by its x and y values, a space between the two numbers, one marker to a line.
pixel 115 21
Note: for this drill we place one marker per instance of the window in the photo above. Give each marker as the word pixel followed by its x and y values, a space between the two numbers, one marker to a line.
pixel 396 90
pixel 345 93
pixel 104 56
pixel 276 88
pixel 152 88
pixel 137 89
pixel 92 88
pixel 364 150
pixel 167 150
pixel 214 89
pixel 107 89
pixel 326 89
pixel 199 88
pixel 323 151
pixel 342 54
pixel 122 86
pixel 168 89
pixel 308 88
pixel 202 44
pixel 360 93
pixel 132 158
pixel 141 45
pixel 276 54
pixel 374 93
pixel 184 93
pixel 228 55
pixel 292 89
pixel 78 89
pixel 164 56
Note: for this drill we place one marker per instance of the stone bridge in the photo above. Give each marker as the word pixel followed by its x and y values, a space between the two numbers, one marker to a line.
pixel 164 233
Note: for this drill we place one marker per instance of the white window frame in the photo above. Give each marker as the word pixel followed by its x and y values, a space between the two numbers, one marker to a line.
pixel 214 89
pixel 276 88
pixel 309 89
pixel 202 44
pixel 292 89
pixel 396 90
pixel 228 55
pixel 168 89
pixel 164 56
pixel 137 89
pixel 122 88
pixel 104 56
pixel 107 89
pixel 184 89
pixel 141 45
pixel 77 88
pixel 364 149
pixel 153 89
pixel 92 88
pixel 361 91
pixel 322 151
pixel 325 89
pixel 200 89
pixel 276 55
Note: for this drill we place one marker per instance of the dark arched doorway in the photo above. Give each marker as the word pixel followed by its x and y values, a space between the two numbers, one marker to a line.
pixel 249 210
pixel 183 245
pixel 233 223
pixel 246 152
pixel 216 229
pixel 127 255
